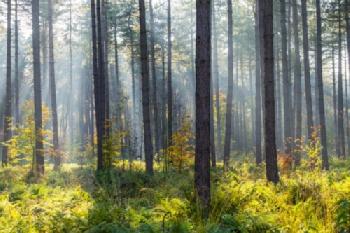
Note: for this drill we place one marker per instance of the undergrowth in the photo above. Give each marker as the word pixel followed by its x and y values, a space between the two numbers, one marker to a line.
pixel 77 199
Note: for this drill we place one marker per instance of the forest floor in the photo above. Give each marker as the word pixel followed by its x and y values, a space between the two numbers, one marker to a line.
pixel 77 200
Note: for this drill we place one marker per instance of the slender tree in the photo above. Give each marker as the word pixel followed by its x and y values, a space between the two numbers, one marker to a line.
pixel 157 126
pixel 286 82
pixel 319 78
pixel 203 80
pixel 297 82
pixel 308 96
pixel 8 103
pixel 228 128
pixel 39 152
pixel 17 117
pixel 341 134
pixel 145 90
pixel 267 71
pixel 170 82
pixel 53 87
pixel 258 154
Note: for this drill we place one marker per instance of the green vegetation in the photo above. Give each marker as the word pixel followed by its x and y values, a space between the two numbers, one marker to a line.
pixel 76 199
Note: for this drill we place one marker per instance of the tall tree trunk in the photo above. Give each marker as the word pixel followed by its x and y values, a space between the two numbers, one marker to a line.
pixel 145 90
pixel 279 124
pixel 53 87
pixel 105 41
pixel 101 106
pixel 71 98
pixel 286 82
pixel 212 94
pixel 203 67
pixel 228 128
pixel 267 71
pixel 258 154
pixel 170 85
pixel 39 153
pixel 308 96
pixel 154 82
pixel 297 84
pixel 217 86
pixel 341 134
pixel 325 164
pixel 334 89
pixel 8 104
pixel 117 79
pixel 17 117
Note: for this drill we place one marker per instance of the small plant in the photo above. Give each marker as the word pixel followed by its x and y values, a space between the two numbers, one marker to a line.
pixel 313 150
pixel 181 153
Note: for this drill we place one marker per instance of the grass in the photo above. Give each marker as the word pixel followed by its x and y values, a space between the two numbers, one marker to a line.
pixel 78 200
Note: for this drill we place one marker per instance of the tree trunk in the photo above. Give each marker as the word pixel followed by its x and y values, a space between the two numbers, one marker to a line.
pixel 39 153
pixel 145 91
pixel 334 89
pixel 217 87
pixel 297 84
pixel 325 164
pixel 267 71
pixel 341 134
pixel 203 67
pixel 52 79
pixel 308 96
pixel 170 85
pixel 154 82
pixel 258 154
pixel 286 83
pixel 212 94
pixel 8 105
pixel 228 130
pixel 17 117
pixel 101 105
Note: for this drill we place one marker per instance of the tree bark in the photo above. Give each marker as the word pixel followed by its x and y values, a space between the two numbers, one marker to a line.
pixel 8 105
pixel 308 96
pixel 148 148
pixel 341 134
pixel 52 79
pixel 258 154
pixel 286 82
pixel 39 147
pixel 228 130
pixel 267 69
pixel 170 85
pixel 154 82
pixel 297 84
pixel 325 163
pixel 203 74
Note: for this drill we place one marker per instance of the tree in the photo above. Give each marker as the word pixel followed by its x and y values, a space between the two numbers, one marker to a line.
pixel 258 155
pixel 154 81
pixel 341 134
pixel 39 147
pixel 308 97
pixel 97 88
pixel 170 85
pixel 8 111
pixel 53 87
pixel 286 82
pixel 145 90
pixel 297 82
pixel 228 128
pixel 319 78
pixel 267 70
pixel 203 81
pixel 16 83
